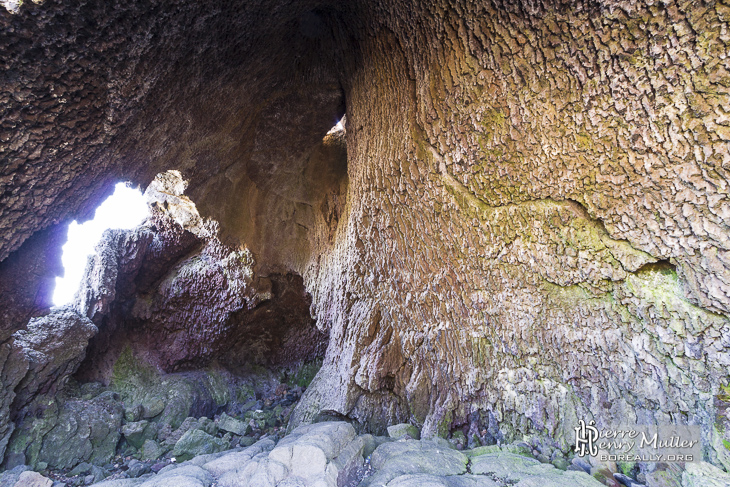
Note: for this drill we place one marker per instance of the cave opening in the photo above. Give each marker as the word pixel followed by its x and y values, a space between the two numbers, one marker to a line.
pixel 124 209
pixel 171 330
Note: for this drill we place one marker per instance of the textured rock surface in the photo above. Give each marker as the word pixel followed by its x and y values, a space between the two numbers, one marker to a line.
pixel 27 279
pixel 37 362
pixel 393 460
pixel 64 432
pixel 82 84
pixel 54 346
pixel 179 298
pixel 330 455
pixel 703 474
pixel 538 232
pixel 533 223
pixel 196 442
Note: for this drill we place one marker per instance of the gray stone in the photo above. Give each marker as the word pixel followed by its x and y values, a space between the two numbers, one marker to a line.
pixel 309 448
pixel 81 469
pixel 196 442
pixel 151 450
pixel 32 479
pixel 207 425
pixel 703 474
pixel 504 464
pixel 70 432
pixel 404 457
pixel 55 345
pixel 137 469
pixel 180 476
pixel 138 432
pixel 233 425
pixel 119 483
pixel 542 458
pixel 625 480
pixel 519 448
pixel 482 450
pixel 440 442
pixel 237 460
pixel 9 477
pixel 133 413
pixel 37 361
pixel 246 441
pixel 178 481
pixel 98 473
pixel 523 471
pixel 370 444
pixel 343 469
pixel 404 429
pixel 458 439
pixel 664 478
pixel 582 464
pixel 560 463
pixel 602 474
pixel 426 480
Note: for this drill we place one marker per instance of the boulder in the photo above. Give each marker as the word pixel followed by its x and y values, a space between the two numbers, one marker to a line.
pixel 703 474
pixel 136 433
pixel 38 360
pixel 395 459
pixel 137 469
pixel 54 346
pixel 516 469
pixel 238 460
pixel 180 476
pixel 8 478
pixel 197 442
pixel 68 431
pixel 664 478
pixel 404 430
pixel 151 450
pixel 233 425
pixel 33 479
pixel 343 469
pixel 426 480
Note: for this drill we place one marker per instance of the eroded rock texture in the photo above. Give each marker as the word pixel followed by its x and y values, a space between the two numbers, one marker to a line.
pixel 36 363
pixel 538 218
pixel 530 225
pixel 179 298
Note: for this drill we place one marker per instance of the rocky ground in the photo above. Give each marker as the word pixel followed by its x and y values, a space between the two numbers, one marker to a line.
pixel 149 446
pixel 331 454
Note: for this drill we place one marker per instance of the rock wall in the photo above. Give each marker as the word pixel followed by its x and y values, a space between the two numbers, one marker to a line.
pixel 538 219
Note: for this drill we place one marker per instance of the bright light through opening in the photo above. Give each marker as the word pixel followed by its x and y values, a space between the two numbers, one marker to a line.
pixel 126 208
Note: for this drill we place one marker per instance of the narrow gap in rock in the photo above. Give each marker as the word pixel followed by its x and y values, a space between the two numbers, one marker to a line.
pixel 663 266
pixel 124 209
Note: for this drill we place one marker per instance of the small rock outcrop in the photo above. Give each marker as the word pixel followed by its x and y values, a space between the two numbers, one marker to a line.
pixel 180 298
pixel 35 366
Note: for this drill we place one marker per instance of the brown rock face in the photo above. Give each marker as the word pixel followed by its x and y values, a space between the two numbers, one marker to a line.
pixel 180 299
pixel 27 279
pixel 531 224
